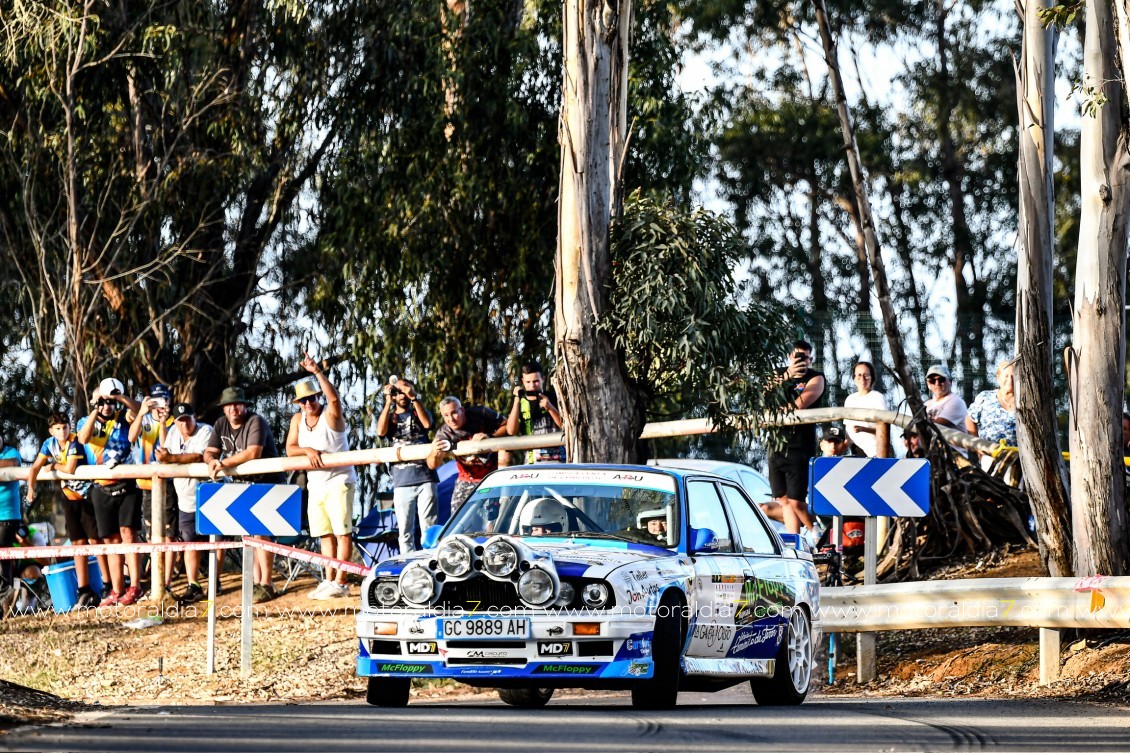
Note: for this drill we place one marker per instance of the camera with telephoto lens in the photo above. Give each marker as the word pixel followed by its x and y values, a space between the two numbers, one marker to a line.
pixel 393 392
pixel 531 395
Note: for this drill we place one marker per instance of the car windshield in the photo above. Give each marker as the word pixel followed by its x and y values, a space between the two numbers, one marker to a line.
pixel 635 506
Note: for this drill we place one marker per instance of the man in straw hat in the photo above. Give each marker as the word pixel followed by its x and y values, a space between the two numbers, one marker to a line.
pixel 319 427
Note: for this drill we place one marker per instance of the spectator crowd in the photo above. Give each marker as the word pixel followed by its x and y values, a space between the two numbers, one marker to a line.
pixel 154 429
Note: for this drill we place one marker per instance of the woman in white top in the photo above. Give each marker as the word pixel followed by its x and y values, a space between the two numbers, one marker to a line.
pixel 862 433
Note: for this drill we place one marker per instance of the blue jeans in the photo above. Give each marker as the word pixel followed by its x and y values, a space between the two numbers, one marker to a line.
pixel 408 502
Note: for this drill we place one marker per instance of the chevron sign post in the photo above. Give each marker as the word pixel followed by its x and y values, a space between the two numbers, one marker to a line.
pixel 248 509
pixel 863 487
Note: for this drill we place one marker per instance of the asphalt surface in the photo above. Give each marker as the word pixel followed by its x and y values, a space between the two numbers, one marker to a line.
pixel 727 721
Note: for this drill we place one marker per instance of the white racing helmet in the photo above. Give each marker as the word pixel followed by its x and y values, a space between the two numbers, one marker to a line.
pixel 644 516
pixel 544 512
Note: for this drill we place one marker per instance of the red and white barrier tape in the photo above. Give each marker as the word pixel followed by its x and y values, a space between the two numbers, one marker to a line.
pixel 305 555
pixel 71 550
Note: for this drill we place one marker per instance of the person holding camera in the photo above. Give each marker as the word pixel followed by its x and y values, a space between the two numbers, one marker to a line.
pixel 104 435
pixel 406 421
pixel 788 467
pixel 150 423
pixel 533 412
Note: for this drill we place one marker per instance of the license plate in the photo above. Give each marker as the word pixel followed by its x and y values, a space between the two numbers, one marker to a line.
pixel 485 628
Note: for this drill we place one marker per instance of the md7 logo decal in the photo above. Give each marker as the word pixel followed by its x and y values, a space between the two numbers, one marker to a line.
pixel 555 648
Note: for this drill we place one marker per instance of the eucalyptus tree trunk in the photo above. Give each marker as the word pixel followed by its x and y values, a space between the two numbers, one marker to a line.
pixel 1040 457
pixel 867 222
pixel 1097 366
pixel 603 418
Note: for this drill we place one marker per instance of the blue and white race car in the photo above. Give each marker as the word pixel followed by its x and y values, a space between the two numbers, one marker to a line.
pixel 654 580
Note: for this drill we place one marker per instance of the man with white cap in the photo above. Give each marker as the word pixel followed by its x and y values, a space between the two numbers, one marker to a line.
pixel 315 429
pixel 945 407
pixel 186 441
pixel 104 435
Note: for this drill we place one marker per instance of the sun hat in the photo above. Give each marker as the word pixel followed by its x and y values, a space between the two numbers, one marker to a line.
pixel 232 395
pixel 305 389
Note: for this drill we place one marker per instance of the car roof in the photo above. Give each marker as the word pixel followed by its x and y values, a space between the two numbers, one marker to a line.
pixel 717 467
pixel 668 471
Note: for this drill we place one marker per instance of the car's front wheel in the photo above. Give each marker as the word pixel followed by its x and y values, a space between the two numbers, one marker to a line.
pixel 793 672
pixel 661 691
pixel 525 698
pixel 390 692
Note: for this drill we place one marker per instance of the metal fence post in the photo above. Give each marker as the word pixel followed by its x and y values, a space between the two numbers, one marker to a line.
pixel 1049 655
pixel 865 642
pixel 245 617
pixel 157 559
pixel 213 578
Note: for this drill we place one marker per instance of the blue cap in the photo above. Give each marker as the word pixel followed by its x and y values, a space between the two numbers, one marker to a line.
pixel 160 390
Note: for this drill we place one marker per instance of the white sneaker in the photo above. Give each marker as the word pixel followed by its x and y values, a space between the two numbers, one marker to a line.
pixel 333 591
pixel 319 592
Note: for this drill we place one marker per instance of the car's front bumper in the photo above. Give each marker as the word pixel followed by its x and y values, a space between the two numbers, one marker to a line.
pixel 407 644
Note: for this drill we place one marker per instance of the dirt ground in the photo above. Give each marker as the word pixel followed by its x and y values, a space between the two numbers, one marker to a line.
pixel 305 650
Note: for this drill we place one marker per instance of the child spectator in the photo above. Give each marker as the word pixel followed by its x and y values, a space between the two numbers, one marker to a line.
pixel 63 451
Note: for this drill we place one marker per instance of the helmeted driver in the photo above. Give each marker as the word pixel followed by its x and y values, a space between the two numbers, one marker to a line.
pixel 655 521
pixel 543 517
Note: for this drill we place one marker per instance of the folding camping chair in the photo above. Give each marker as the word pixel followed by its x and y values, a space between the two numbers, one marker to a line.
pixel 377 537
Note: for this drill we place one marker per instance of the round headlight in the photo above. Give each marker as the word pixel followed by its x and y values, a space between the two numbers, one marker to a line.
pixel 417 584
pixel 454 559
pixel 386 592
pixel 535 587
pixel 499 559
pixel 566 595
pixel 594 595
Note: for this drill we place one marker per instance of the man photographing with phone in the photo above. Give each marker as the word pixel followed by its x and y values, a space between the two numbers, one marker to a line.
pixel 788 467
pixel 533 412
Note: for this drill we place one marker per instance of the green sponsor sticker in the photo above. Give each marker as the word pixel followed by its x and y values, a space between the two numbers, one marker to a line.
pixel 566 669
pixel 405 668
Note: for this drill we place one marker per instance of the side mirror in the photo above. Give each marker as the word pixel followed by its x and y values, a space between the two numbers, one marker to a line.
pixel 794 541
pixel 703 540
pixel 431 537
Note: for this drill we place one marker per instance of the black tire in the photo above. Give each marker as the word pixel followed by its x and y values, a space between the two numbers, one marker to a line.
pixel 661 690
pixel 792 674
pixel 389 692
pixel 525 698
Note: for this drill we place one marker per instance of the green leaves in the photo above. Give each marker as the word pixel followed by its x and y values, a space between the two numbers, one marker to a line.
pixel 693 341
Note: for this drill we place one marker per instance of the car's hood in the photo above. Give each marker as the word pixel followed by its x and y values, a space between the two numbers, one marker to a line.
pixel 592 558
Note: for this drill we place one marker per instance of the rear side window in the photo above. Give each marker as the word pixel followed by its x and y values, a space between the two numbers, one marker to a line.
pixel 754 536
pixel 704 509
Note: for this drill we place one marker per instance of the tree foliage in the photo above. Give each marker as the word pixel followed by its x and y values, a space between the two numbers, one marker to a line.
pixel 693 340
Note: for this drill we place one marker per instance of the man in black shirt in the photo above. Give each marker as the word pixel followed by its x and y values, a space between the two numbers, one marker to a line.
pixel 533 412
pixel 788 466
pixel 242 435
pixel 406 421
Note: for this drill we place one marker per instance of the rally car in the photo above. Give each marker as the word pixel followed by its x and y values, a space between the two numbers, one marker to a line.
pixel 653 580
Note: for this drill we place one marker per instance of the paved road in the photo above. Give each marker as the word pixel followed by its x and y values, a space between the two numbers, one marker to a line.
pixel 719 722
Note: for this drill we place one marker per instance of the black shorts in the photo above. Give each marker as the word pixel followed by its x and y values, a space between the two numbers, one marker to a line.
pixel 187 526
pixel 171 512
pixel 116 509
pixel 8 532
pixel 788 474
pixel 81 522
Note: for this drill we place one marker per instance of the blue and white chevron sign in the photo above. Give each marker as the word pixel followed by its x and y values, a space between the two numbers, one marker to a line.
pixel 248 509
pixel 871 487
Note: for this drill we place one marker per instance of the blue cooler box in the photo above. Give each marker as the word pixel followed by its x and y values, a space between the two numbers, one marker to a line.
pixel 63 583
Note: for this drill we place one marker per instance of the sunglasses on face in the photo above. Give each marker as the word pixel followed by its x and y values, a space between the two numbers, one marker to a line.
pixel 936 379
pixel 308 399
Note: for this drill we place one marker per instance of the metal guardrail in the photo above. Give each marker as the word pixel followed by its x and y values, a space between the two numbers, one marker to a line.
pixel 686 427
pixel 1046 603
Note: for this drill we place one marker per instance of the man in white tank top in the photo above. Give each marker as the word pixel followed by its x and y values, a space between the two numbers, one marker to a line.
pixel 320 427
